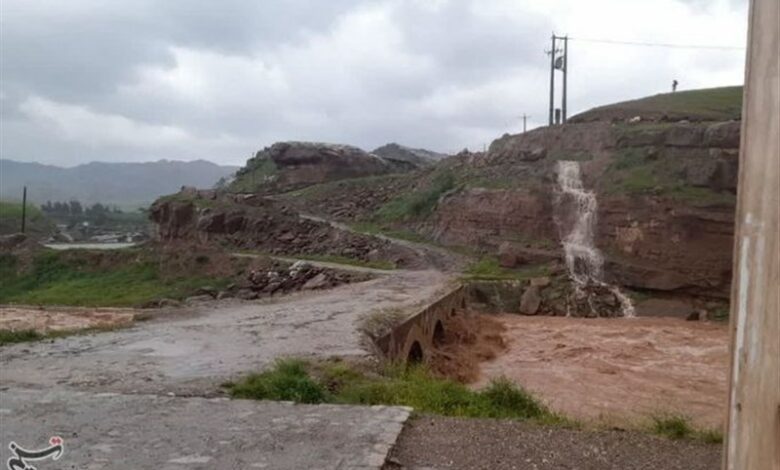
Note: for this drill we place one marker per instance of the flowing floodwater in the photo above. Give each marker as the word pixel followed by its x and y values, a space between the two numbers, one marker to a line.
pixel 577 221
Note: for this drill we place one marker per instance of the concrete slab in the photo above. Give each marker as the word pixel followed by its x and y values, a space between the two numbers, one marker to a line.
pixel 116 431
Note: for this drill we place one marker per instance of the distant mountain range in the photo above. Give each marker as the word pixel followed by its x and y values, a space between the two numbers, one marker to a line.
pixel 122 184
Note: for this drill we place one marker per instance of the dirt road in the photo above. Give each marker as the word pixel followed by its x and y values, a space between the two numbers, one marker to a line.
pixel 438 443
pixel 193 351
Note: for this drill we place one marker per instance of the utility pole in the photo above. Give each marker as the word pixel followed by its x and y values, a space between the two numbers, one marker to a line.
pixel 558 62
pixel 552 78
pixel 24 207
pixel 752 438
pixel 565 73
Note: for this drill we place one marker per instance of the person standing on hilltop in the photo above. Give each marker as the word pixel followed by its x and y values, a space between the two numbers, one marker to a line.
pixel 674 85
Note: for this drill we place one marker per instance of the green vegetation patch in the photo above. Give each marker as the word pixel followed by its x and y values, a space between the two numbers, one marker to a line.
pixel 74 278
pixel 710 104
pixel 11 219
pixel 299 381
pixel 489 269
pixel 416 204
pixel 20 336
pixel 336 259
pixel 636 170
pixel 676 426
pixel 257 172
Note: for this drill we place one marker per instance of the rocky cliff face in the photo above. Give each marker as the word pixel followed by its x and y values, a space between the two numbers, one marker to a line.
pixel 254 222
pixel 665 195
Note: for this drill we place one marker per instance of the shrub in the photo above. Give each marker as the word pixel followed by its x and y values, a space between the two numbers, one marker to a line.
pixel 672 426
pixel 288 381
pixel 20 336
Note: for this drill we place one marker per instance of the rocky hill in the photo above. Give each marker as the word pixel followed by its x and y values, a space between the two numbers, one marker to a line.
pixel 286 166
pixel 122 184
pixel 408 157
pixel 665 185
pixel 666 194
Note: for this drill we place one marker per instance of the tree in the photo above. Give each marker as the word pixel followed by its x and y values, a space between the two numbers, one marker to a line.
pixel 75 208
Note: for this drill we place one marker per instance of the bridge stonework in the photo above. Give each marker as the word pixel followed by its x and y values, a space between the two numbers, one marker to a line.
pixel 413 340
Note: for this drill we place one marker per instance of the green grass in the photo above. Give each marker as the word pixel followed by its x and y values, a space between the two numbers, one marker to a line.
pixel 710 104
pixel 20 336
pixel 676 426
pixel 11 219
pixel 415 387
pixel 632 172
pixel 416 204
pixel 488 269
pixel 288 381
pixel 373 228
pixel 59 278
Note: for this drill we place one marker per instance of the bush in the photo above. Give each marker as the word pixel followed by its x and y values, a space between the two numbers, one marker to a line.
pixel 672 426
pixel 505 399
pixel 287 381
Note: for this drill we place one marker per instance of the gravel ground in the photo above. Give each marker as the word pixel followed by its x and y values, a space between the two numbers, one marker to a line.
pixel 451 443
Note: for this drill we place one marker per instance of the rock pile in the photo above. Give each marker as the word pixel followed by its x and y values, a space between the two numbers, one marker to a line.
pixel 299 276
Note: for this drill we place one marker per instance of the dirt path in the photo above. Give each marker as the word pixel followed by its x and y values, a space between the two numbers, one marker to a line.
pixel 434 443
pixel 435 257
pixel 320 264
pixel 618 370
pixel 193 351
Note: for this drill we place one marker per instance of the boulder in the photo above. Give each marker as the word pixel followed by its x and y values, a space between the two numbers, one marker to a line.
pixel 684 136
pixel 317 282
pixel 212 223
pixel 530 301
pixel 246 294
pixel 723 135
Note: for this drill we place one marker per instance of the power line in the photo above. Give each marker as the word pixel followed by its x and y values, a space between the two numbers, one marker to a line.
pixel 658 44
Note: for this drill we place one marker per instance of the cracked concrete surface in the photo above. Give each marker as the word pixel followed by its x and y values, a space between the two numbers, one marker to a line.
pixel 105 430
pixel 58 386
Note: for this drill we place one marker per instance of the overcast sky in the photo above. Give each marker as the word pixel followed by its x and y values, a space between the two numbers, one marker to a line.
pixel 138 80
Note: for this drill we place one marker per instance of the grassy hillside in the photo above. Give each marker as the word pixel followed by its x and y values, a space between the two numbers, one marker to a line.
pixel 11 219
pixel 120 278
pixel 708 104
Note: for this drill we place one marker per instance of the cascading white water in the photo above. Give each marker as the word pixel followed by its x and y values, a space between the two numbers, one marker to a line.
pixel 584 261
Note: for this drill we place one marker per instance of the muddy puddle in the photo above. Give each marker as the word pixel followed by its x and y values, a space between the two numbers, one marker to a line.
pixel 55 319
pixel 617 371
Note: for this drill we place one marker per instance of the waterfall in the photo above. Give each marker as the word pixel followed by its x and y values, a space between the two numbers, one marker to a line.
pixel 577 211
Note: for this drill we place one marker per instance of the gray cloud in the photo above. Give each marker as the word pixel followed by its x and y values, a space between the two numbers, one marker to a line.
pixel 100 80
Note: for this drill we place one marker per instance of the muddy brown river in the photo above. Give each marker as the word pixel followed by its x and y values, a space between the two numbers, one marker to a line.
pixel 615 371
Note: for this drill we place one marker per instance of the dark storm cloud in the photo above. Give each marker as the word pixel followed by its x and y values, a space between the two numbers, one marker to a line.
pixel 111 80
